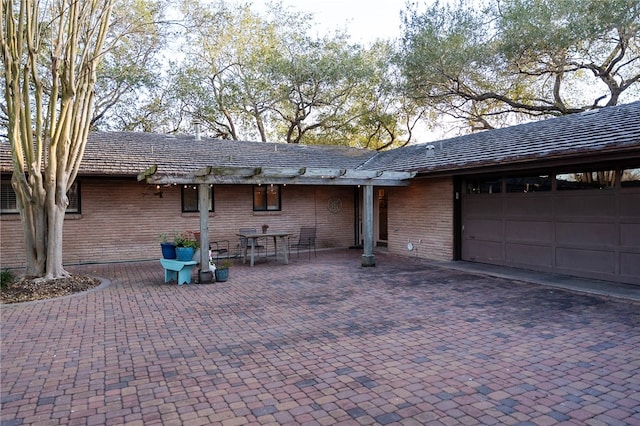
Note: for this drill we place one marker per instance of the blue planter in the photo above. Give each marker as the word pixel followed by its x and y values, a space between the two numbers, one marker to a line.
pixel 168 250
pixel 184 254
pixel 222 274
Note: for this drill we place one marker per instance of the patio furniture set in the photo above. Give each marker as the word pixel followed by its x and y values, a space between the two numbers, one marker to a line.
pixel 251 243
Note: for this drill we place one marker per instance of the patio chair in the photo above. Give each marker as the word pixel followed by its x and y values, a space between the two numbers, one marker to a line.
pixel 220 249
pixel 307 239
pixel 243 241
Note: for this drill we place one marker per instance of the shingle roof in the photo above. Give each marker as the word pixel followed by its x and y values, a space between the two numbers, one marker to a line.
pixel 129 153
pixel 609 129
pixel 605 130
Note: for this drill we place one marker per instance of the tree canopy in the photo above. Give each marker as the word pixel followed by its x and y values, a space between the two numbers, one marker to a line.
pixel 521 59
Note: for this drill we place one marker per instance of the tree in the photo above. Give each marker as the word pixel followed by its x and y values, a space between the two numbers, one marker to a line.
pixel 129 76
pixel 264 77
pixel 521 59
pixel 223 82
pixel 316 80
pixel 50 53
pixel 376 115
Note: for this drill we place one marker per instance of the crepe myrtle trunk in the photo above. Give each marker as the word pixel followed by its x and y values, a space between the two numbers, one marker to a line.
pixel 42 209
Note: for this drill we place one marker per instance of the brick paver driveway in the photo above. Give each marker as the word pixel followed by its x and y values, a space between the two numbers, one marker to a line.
pixel 321 341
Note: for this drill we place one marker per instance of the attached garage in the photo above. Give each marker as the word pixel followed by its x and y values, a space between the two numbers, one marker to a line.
pixel 560 195
pixel 583 224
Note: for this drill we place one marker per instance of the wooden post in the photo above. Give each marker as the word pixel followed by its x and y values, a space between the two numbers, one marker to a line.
pixel 205 275
pixel 368 258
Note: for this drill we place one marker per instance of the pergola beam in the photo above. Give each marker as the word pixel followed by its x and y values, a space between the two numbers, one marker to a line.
pixel 279 175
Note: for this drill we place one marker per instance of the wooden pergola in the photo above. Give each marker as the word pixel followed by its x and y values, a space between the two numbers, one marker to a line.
pixel 225 175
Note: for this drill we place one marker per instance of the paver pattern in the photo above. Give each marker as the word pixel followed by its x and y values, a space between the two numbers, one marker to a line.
pixel 318 342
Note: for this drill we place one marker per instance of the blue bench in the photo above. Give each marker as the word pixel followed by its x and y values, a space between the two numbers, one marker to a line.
pixel 177 270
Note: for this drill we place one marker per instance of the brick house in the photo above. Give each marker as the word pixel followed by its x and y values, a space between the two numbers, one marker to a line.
pixel 560 195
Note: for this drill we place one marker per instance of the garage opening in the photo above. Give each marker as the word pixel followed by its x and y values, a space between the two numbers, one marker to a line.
pixel 581 222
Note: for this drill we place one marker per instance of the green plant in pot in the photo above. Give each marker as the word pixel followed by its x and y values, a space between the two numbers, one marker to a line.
pixel 186 245
pixel 222 270
pixel 168 247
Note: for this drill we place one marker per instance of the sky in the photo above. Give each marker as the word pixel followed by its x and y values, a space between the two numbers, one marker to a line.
pixel 364 20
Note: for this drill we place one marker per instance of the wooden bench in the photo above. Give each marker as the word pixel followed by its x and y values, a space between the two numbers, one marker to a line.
pixel 177 270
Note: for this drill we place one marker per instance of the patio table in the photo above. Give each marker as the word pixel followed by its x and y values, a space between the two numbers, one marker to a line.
pixel 253 237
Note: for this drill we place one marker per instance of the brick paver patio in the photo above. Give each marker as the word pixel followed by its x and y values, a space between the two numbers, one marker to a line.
pixel 318 342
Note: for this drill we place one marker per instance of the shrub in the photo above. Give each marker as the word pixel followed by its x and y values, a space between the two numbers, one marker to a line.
pixel 6 278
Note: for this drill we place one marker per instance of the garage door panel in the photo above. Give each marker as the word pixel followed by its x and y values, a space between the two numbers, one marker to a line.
pixel 630 234
pixel 529 231
pixel 528 206
pixel 630 265
pixel 581 260
pixel 529 255
pixel 484 229
pixel 629 204
pixel 483 251
pixel 484 205
pixel 592 205
pixel 589 234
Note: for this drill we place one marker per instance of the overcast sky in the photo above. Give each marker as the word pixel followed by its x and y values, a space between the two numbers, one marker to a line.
pixel 364 20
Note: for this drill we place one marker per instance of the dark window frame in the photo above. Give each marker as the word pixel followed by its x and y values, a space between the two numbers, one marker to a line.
pixel 484 185
pixel 74 195
pixel 586 179
pixel 625 182
pixel 528 184
pixel 197 199
pixel 261 191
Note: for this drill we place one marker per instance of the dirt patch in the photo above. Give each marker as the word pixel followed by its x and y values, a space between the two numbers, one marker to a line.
pixel 28 290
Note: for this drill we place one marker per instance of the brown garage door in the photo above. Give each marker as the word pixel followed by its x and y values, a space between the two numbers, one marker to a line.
pixel 566 228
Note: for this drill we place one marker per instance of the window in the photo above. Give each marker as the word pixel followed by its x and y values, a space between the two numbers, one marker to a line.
pixel 630 178
pixel 266 198
pixel 74 198
pixel 586 180
pixel 190 198
pixel 527 184
pixel 484 186
pixel 9 203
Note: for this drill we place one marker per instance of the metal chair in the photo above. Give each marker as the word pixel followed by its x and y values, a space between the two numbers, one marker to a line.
pixel 307 239
pixel 220 249
pixel 243 241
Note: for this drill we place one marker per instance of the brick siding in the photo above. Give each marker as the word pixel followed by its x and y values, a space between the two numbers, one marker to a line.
pixel 121 219
pixel 422 214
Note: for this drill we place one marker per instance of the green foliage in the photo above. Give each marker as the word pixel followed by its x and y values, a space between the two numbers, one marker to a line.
pixel 128 86
pixel 225 264
pixel 251 76
pixel 186 239
pixel 6 277
pixel 522 58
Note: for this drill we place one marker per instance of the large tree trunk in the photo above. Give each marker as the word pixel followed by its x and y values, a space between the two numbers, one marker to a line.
pixel 49 113
pixel 30 199
pixel 56 205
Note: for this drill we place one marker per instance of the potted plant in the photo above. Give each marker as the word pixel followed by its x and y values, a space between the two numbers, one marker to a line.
pixel 222 270
pixel 168 247
pixel 186 245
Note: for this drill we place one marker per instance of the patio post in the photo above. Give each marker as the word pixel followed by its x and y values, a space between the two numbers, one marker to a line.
pixel 204 274
pixel 368 258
